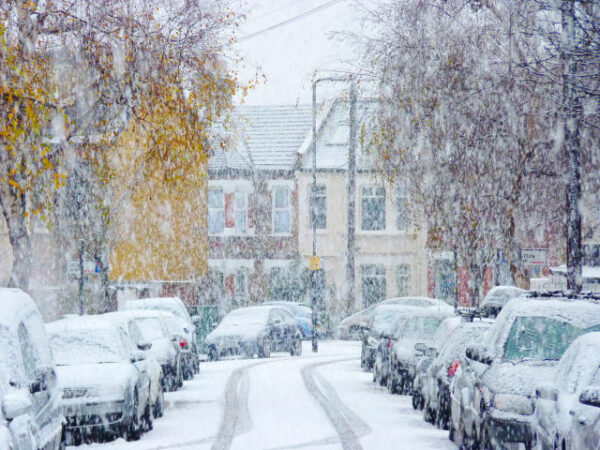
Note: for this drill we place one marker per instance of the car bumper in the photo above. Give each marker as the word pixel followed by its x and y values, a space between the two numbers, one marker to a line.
pixel 93 414
pixel 509 427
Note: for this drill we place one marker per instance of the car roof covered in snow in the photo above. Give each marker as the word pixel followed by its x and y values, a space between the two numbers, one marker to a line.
pixel 579 363
pixel 80 324
pixel 14 303
pixel 172 304
pixel 579 313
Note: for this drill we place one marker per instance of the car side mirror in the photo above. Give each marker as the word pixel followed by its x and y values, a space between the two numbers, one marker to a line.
pixel 590 396
pixel 479 355
pixel 420 347
pixel 547 392
pixel 137 356
pixel 144 345
pixel 15 403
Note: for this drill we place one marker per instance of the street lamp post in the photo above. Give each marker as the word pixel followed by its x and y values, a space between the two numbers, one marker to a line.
pixel 315 263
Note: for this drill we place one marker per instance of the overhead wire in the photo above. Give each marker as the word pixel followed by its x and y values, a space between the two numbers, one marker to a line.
pixel 289 21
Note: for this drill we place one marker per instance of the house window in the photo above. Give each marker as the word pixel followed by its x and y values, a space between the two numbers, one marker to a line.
pixel 282 214
pixel 241 283
pixel 241 211
pixel 373 284
pixel 401 210
pixel 216 211
pixel 276 280
pixel 403 280
pixel 373 208
pixel 319 200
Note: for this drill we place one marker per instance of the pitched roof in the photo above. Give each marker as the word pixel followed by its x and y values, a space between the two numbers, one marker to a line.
pixel 268 138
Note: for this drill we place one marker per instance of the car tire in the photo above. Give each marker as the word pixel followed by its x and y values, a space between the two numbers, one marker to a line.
pixel 179 382
pixel 159 405
pixel 147 418
pixel 213 355
pixel 392 383
pixel 416 399
pixel 484 438
pixel 264 350
pixel 429 414
pixel 134 429
pixel 466 442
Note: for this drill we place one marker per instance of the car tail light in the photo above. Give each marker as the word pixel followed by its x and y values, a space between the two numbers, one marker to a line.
pixel 389 343
pixel 183 343
pixel 453 368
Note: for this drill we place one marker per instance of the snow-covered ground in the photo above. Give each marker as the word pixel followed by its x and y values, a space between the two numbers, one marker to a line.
pixel 321 400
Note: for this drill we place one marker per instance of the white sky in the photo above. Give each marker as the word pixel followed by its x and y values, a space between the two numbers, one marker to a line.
pixel 288 56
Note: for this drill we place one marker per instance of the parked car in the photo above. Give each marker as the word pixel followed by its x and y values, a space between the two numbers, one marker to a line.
pixel 106 391
pixel 175 306
pixel 521 351
pixel 301 313
pixel 442 334
pixel 164 349
pixel 31 408
pixel 414 339
pixel 128 324
pixel 351 327
pixel 435 385
pixel 577 371
pixel 585 419
pixel 385 323
pixel 497 297
pixel 181 335
pixel 255 330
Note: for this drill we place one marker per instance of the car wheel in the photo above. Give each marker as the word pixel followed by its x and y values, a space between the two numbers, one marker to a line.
pixel 416 399
pixel 213 355
pixel 466 441
pixel 484 438
pixel 179 375
pixel 159 406
pixel 134 429
pixel 442 418
pixel 429 414
pixel 392 383
pixel 265 349
pixel 147 419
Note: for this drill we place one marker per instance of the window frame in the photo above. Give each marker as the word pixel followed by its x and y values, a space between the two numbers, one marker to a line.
pixel 406 279
pixel 373 196
pixel 282 209
pixel 216 209
pixel 312 197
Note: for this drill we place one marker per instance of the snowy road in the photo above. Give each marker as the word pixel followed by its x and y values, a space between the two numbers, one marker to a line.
pixel 323 401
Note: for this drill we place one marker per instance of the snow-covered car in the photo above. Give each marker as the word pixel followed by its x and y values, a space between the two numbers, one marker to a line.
pixel 435 385
pixel 520 352
pixel 577 370
pixel 302 314
pixel 442 334
pixel 175 306
pixel 497 297
pixel 585 419
pixel 164 349
pixel 255 330
pixel 414 339
pixel 128 324
pixel 181 335
pixel 30 399
pixel 383 326
pixel 351 328
pixel 106 391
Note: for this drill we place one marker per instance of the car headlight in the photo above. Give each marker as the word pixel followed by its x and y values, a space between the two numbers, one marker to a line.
pixel 513 403
pixel 372 341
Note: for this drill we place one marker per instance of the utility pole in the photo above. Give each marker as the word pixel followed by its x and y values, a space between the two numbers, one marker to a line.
pixel 572 111
pixel 315 261
pixel 350 263
pixel 81 250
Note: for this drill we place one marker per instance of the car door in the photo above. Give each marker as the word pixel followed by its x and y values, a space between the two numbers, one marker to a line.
pixel 39 369
pixel 276 329
pixel 142 365
pixel 289 328
pixel 143 380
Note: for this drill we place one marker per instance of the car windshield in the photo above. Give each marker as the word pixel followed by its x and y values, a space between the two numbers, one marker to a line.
pixel 385 321
pixel 93 346
pixel 460 339
pixel 151 328
pixel 540 338
pixel 421 327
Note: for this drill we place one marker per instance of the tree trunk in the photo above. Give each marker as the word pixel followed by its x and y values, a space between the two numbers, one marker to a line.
pixel 13 208
pixel 572 111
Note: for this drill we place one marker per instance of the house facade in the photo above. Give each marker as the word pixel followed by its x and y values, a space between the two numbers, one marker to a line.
pixel 390 257
pixel 253 207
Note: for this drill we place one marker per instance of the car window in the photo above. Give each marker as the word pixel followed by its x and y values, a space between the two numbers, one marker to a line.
pixel 136 335
pixel 540 338
pixel 151 328
pixel 28 352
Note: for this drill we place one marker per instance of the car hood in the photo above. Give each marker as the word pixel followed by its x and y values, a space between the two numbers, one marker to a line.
pixel 97 380
pixel 518 378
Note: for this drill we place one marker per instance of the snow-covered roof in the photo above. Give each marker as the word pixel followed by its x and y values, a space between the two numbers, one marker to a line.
pixel 171 304
pixel 333 138
pixel 268 138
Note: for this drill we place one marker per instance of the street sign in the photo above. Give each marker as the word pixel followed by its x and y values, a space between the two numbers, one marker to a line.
pixel 314 263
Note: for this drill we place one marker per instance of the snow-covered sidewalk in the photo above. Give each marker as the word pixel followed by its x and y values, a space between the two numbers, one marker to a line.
pixel 321 400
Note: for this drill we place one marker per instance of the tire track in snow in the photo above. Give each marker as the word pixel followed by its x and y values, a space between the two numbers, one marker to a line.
pixel 347 424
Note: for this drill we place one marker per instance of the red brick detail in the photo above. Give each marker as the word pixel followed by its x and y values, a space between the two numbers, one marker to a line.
pixel 229 212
